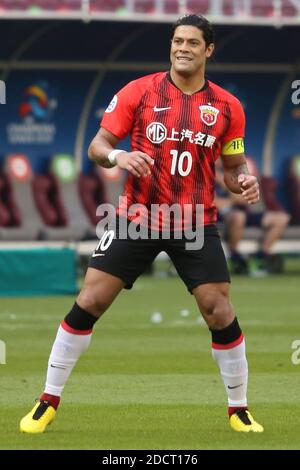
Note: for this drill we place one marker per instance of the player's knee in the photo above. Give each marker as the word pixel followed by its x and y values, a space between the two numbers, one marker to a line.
pixel 284 219
pixel 222 314
pixel 219 313
pixel 92 302
pixel 277 220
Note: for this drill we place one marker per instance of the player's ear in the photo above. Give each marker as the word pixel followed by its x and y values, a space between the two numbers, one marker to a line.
pixel 210 50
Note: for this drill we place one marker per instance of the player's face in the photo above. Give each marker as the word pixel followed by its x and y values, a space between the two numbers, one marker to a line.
pixel 188 50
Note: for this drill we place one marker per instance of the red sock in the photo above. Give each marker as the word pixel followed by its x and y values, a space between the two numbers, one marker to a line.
pixel 233 409
pixel 52 399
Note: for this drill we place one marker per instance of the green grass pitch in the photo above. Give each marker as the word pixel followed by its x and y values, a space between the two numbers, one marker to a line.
pixel 155 386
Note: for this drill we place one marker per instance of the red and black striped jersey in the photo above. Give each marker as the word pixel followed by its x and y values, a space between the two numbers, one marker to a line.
pixel 184 134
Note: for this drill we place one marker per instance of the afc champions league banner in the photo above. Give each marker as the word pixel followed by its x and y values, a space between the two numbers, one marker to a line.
pixel 41 114
pixel 43 110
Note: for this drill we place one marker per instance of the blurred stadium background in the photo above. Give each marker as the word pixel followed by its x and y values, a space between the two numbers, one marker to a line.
pixel 61 62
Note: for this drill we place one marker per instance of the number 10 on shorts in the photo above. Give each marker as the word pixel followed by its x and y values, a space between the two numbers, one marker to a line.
pixel 104 243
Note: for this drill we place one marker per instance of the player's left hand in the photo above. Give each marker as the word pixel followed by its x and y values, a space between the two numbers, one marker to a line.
pixel 249 188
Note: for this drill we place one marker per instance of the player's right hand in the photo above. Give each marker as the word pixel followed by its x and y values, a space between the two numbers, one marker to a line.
pixel 137 163
pixel 249 188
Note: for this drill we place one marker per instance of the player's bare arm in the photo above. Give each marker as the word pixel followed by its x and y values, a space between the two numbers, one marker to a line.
pixel 137 163
pixel 237 178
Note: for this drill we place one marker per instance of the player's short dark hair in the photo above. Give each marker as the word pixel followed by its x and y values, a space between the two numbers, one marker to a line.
pixel 199 22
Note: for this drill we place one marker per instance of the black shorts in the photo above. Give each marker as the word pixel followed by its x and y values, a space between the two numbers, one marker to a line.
pixel 128 259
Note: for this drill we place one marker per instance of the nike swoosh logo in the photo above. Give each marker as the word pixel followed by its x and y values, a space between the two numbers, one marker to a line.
pixel 156 109
pixel 97 254
pixel 236 386
pixel 57 367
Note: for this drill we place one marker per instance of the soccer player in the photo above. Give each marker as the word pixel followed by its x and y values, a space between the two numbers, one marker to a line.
pixel 180 123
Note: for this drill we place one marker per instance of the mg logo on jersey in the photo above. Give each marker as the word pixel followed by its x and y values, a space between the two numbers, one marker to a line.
pixel 156 132
pixel 208 114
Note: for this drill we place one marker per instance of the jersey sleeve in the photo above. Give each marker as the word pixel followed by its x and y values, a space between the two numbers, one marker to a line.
pixel 236 129
pixel 119 116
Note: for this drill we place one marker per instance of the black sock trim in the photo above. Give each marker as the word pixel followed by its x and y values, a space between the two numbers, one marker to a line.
pixel 227 335
pixel 80 319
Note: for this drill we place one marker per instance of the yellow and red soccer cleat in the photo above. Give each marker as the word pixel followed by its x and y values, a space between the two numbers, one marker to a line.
pixel 38 418
pixel 242 421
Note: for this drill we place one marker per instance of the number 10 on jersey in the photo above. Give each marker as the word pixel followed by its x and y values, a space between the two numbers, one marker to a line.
pixel 181 163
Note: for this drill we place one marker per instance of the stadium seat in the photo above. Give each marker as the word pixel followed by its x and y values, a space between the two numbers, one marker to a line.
pixel 107 5
pixel 70 5
pixel 17 173
pixel 9 212
pixel 63 167
pixel 40 206
pixel 262 8
pixel 92 193
pixel 198 6
pixel 289 9
pixel 145 6
pixel 14 4
pixel 227 8
pixel 171 7
pixel 293 188
pixel 48 200
pixel 54 5
pixel 48 5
